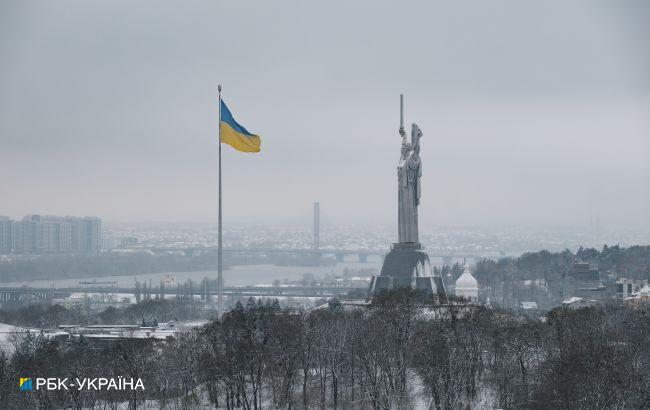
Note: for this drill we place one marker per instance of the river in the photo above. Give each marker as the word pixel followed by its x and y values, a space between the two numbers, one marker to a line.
pixel 242 275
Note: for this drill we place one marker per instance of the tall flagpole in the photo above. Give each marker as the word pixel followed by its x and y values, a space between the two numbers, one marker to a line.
pixel 220 242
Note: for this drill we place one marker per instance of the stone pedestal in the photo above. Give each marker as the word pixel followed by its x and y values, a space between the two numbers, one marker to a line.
pixel 407 265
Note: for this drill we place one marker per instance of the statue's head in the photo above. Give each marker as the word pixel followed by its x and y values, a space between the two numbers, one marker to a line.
pixel 416 132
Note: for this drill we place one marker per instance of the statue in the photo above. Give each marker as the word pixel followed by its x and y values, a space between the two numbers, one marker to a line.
pixel 409 171
pixel 407 265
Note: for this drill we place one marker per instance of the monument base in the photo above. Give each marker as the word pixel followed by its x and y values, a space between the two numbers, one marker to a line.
pixel 407 265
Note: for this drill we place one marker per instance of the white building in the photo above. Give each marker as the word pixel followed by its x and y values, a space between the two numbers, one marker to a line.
pixel 528 305
pixel 467 286
pixel 575 303
pixel 626 288
pixel 639 298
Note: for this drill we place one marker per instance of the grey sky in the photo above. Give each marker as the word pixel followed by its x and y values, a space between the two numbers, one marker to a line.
pixel 533 112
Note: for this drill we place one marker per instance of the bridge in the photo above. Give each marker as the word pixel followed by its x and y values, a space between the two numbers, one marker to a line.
pixel 361 254
pixel 17 294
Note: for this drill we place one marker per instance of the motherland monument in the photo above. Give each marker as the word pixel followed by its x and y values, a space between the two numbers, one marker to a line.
pixel 407 264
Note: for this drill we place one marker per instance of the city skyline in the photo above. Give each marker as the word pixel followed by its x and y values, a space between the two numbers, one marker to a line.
pixel 34 234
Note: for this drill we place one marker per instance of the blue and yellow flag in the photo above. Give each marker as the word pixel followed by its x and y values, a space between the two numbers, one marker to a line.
pixel 235 135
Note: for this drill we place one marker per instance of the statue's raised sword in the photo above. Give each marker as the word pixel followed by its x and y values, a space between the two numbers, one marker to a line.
pixel 401 113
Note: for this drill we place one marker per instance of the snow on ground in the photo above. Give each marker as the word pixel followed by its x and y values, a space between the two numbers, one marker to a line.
pixel 8 334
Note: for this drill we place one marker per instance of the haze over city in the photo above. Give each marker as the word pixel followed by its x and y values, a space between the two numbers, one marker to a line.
pixel 533 113
pixel 450 209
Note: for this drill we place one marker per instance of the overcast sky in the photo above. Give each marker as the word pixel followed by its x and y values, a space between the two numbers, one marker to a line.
pixel 533 112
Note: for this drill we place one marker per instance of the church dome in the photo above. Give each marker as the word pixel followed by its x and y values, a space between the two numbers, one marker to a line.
pixel 466 285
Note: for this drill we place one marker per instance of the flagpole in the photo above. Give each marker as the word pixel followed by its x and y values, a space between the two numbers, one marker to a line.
pixel 220 241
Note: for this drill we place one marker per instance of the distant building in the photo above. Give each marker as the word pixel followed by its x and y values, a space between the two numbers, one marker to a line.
pixel 639 298
pixel 129 241
pixel 6 236
pixel 92 302
pixel 467 286
pixel 108 243
pixel 578 303
pixel 626 287
pixel 36 234
pixel 584 274
pixel 585 281
pixel 528 305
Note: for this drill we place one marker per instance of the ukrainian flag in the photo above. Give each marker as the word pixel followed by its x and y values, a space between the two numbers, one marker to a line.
pixel 235 135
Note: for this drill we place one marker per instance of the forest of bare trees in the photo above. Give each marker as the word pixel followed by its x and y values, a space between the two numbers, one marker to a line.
pixel 401 353
pixel 508 281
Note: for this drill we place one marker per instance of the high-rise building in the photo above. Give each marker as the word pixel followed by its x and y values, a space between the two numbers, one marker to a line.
pixel 6 235
pixel 92 234
pixel 36 234
pixel 24 236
